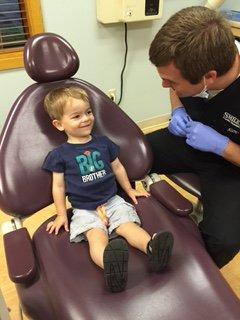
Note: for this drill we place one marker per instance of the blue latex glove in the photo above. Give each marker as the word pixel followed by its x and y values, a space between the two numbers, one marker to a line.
pixel 178 122
pixel 204 138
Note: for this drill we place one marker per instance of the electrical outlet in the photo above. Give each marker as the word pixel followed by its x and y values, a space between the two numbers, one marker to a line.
pixel 112 94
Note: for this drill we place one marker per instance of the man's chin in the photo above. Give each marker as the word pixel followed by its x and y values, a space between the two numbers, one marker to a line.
pixel 183 95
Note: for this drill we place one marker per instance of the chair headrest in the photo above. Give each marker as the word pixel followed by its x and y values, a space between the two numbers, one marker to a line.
pixel 48 57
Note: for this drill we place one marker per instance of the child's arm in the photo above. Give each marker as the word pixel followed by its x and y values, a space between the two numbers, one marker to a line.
pixel 122 178
pixel 58 191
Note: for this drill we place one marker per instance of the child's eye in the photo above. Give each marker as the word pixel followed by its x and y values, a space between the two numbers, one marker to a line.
pixel 89 111
pixel 76 117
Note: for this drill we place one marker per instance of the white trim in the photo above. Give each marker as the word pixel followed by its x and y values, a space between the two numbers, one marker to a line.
pixel 154 123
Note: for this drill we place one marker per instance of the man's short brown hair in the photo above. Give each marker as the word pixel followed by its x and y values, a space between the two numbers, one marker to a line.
pixel 56 99
pixel 197 40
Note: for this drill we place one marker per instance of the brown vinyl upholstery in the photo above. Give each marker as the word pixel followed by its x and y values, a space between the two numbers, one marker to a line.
pixel 188 181
pixel 55 279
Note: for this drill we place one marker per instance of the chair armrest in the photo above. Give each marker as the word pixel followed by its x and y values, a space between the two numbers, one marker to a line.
pixel 171 198
pixel 19 255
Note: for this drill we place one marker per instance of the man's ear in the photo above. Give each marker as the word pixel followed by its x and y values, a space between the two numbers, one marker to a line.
pixel 211 77
pixel 57 124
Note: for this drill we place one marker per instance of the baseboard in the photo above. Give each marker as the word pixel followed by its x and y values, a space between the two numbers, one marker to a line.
pixel 152 124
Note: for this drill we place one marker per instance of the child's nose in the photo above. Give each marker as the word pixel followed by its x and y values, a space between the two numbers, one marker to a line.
pixel 85 117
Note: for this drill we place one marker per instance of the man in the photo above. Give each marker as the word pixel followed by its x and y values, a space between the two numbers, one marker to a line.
pixel 197 58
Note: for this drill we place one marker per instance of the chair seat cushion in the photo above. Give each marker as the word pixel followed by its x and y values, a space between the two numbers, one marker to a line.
pixel 191 287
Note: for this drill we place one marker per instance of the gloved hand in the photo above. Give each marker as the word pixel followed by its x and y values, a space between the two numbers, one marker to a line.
pixel 177 124
pixel 205 138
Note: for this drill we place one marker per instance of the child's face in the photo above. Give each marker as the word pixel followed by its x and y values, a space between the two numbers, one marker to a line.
pixel 77 120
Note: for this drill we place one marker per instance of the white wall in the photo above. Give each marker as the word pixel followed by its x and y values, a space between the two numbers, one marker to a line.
pixel 231 4
pixel 101 51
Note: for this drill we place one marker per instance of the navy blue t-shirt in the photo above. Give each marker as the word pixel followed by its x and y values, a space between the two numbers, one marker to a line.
pixel 89 180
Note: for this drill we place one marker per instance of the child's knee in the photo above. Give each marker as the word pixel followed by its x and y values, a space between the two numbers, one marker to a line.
pixel 95 235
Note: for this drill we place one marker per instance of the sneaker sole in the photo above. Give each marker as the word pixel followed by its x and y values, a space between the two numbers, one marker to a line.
pixel 162 245
pixel 115 260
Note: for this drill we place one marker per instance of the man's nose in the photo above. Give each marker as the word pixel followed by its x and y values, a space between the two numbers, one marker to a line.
pixel 166 84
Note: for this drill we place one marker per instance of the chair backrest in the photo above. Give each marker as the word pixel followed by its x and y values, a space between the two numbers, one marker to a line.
pixel 28 134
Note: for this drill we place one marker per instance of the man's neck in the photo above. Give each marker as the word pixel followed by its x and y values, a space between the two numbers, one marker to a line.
pixel 225 80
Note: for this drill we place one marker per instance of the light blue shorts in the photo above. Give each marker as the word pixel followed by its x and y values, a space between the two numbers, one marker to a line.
pixel 117 210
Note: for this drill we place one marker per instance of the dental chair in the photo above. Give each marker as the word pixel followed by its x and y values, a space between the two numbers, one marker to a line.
pixel 55 279
pixel 191 183
pixel 188 181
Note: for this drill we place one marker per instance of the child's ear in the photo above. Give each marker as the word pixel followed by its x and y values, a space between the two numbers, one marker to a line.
pixel 57 124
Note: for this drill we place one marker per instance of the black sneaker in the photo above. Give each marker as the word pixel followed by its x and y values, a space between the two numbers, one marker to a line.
pixel 115 261
pixel 159 250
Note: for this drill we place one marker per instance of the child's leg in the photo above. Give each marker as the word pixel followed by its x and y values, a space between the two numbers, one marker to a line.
pixel 115 259
pixel 158 248
pixel 112 257
pixel 135 235
pixel 98 241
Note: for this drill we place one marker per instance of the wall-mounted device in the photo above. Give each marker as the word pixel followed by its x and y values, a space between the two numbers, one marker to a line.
pixel 113 11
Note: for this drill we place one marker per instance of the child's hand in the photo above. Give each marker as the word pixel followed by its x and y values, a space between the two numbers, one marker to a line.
pixel 60 221
pixel 133 194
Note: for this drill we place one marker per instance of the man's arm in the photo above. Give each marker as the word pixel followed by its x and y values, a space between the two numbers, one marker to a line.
pixel 179 117
pixel 205 138
pixel 58 192
pixel 232 153
pixel 175 101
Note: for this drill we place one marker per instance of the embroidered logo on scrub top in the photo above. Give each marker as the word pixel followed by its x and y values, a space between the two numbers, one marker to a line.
pixel 231 119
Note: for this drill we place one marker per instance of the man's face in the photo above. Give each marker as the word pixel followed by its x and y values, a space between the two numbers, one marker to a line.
pixel 172 78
